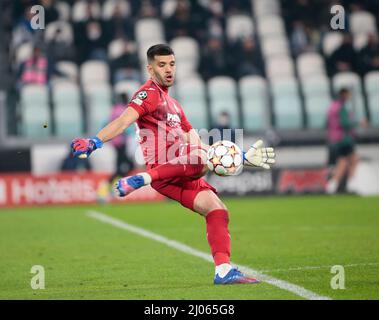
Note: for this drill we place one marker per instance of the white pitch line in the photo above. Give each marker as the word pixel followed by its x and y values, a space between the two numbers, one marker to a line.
pixel 293 288
pixel 322 267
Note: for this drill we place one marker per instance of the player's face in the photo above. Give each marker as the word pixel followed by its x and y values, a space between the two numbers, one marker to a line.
pixel 162 70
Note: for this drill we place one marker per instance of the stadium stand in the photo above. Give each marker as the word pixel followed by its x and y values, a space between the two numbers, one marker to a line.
pixel 97 49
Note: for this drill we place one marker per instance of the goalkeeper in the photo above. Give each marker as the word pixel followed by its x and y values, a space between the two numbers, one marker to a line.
pixel 175 160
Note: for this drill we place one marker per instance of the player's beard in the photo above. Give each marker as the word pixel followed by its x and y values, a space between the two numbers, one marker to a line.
pixel 162 81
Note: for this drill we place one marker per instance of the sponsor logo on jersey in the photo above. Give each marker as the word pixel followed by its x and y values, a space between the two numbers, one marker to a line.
pixel 142 95
pixel 137 101
pixel 173 120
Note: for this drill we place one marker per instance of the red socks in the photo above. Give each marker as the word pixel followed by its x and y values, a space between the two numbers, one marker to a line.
pixel 169 170
pixel 218 235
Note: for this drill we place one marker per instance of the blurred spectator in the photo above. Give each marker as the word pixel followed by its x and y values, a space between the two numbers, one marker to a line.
pixel 51 13
pixel 119 25
pixel 123 163
pixel 344 58
pixel 147 10
pixel 180 23
pixel 341 138
pixel 23 31
pixel 223 125
pixel 213 60
pixel 126 66
pixel 35 69
pixel 71 163
pixel 245 58
pixel 303 38
pixel 369 55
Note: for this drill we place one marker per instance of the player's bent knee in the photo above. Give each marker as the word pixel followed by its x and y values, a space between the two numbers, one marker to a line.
pixel 207 201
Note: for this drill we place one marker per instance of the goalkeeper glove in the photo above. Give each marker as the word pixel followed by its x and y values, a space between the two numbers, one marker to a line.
pixel 82 148
pixel 258 156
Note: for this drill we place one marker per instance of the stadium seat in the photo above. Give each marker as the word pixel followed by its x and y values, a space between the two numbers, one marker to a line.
pixel 24 52
pixel 286 103
pixel 271 25
pixel 263 8
pixel 351 81
pixel 192 96
pixel 279 67
pixel 317 98
pixel 129 87
pixel 371 81
pixel 59 31
pixel 80 10
pixel 360 40
pixel 362 22
pixel 67 109
pixel 116 48
pixel 187 54
pixel 254 101
pixel 109 7
pixel 98 105
pixel 331 41
pixel 310 64
pixel 168 8
pixel 68 68
pixel 275 46
pixel 148 29
pixel 64 10
pixel 35 111
pixel 239 26
pixel 223 97
pixel 94 71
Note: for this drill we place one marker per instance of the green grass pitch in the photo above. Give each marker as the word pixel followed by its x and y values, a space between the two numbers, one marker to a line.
pixel 296 239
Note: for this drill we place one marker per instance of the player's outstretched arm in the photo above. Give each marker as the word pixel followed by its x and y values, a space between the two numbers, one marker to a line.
pixel 83 148
pixel 259 156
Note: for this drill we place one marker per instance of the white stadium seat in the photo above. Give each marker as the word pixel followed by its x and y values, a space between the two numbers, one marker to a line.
pixel 371 81
pixel 239 26
pixel 360 40
pixel 110 6
pixel 187 56
pixel 64 10
pixel 362 22
pixel 65 32
pixel 223 97
pixel 351 81
pixel 94 71
pixel 254 102
pixel 68 68
pixel 129 87
pixel 99 105
pixel 80 10
pixel 310 64
pixel 35 111
pixel 24 52
pixel 67 109
pixel 148 29
pixel 192 96
pixel 331 41
pixel 271 26
pixel 116 48
pixel 168 8
pixel 317 98
pixel 275 46
pixel 286 103
pixel 263 8
pixel 280 67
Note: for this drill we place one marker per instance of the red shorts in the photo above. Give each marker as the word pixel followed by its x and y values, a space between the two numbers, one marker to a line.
pixel 182 189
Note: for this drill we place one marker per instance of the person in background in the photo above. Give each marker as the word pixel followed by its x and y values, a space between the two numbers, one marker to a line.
pixel 123 163
pixel 35 69
pixel 225 128
pixel 341 138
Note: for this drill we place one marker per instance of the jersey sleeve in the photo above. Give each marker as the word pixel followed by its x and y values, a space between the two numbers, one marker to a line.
pixel 145 101
pixel 186 126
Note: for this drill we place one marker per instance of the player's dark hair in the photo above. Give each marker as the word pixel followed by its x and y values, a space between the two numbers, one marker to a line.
pixel 158 50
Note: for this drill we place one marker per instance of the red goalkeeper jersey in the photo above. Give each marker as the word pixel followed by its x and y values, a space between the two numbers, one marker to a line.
pixel 161 125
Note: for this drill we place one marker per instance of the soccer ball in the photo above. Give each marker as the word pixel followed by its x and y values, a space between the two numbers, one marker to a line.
pixel 225 158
